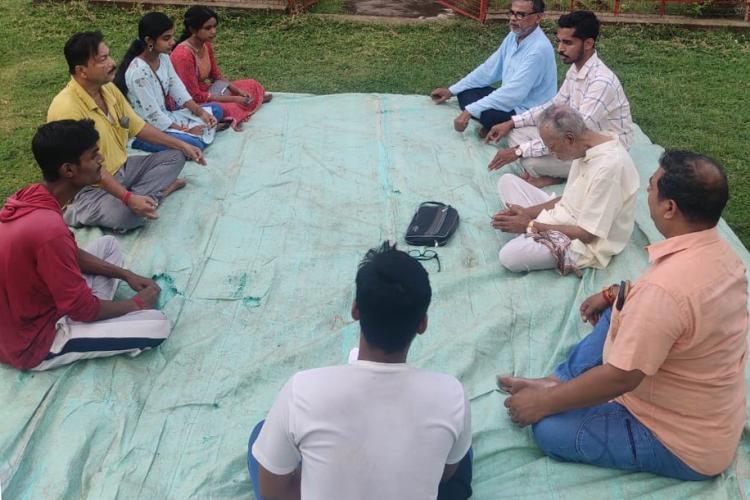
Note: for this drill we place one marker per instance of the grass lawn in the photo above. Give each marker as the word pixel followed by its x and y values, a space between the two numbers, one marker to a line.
pixel 687 89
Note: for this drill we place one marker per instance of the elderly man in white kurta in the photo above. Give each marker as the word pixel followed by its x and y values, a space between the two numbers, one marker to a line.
pixel 593 219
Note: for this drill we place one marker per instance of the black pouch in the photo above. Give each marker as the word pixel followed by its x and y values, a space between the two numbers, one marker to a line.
pixel 432 225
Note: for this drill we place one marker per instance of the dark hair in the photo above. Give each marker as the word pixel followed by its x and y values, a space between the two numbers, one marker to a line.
pixel 585 23
pixel 195 18
pixel 81 47
pixel 536 5
pixel 153 25
pixel 696 183
pixel 63 141
pixel 393 293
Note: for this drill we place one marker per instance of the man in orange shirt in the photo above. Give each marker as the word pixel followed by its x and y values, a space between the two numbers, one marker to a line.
pixel 658 386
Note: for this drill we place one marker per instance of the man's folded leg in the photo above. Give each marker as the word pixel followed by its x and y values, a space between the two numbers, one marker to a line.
pixel 95 207
pixel 515 191
pixel 147 175
pixel 608 435
pixel 130 334
pixel 539 166
pixel 524 254
pixel 492 117
pixel 470 96
pixel 587 353
pixel 151 175
pixel 108 249
pixel 546 166
pixel 458 487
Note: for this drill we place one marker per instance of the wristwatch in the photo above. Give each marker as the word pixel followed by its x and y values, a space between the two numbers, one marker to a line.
pixel 518 152
pixel 530 229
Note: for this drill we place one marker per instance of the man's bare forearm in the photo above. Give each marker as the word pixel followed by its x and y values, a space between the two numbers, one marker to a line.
pixel 594 387
pixel 110 185
pixel 275 487
pixel 572 232
pixel 535 210
pixel 91 264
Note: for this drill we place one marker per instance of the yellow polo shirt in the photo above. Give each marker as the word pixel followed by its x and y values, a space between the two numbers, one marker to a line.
pixel 74 103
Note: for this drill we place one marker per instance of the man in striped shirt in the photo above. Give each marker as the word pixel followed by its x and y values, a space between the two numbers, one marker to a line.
pixel 590 88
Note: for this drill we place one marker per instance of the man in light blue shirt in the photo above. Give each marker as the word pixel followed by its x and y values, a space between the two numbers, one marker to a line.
pixel 525 63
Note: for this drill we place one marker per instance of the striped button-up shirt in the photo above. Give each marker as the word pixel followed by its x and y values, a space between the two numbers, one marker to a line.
pixel 596 93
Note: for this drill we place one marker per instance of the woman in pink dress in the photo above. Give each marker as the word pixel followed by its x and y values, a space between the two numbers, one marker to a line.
pixel 193 60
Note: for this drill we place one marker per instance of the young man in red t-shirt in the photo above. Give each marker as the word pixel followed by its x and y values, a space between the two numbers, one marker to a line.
pixel 56 302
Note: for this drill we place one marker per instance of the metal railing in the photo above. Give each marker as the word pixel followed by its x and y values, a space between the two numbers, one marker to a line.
pixel 478 9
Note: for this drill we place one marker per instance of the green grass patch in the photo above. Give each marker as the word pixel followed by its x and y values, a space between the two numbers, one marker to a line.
pixel 329 7
pixel 687 89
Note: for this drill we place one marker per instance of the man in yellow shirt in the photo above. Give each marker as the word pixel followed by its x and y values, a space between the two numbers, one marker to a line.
pixel 131 187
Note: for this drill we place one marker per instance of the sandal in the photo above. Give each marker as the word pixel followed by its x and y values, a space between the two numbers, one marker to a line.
pixel 223 125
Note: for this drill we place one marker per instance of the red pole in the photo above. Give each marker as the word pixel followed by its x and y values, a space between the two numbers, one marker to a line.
pixel 464 12
pixel 483 10
pixel 662 7
pixel 617 7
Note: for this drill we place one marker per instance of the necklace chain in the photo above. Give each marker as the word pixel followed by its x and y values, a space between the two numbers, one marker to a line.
pixel 197 50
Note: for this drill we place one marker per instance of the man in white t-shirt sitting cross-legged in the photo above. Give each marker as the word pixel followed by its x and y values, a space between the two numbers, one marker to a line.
pixel 376 428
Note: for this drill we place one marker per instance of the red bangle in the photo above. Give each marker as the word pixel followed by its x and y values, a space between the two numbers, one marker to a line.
pixel 126 198
pixel 139 302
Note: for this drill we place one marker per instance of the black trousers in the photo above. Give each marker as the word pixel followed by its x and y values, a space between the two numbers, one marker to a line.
pixel 458 487
pixel 490 117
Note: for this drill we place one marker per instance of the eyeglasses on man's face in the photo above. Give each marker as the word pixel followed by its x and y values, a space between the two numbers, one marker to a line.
pixel 519 14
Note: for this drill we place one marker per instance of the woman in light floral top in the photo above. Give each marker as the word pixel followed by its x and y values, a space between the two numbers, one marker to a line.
pixel 148 79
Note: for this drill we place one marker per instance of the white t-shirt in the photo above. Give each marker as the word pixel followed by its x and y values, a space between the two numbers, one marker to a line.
pixel 366 431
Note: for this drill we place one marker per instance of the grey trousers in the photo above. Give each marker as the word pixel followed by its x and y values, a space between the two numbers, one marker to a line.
pixel 147 175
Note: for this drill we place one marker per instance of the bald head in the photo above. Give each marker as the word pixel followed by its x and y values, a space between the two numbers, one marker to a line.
pixel 560 120
pixel 565 134
pixel 696 183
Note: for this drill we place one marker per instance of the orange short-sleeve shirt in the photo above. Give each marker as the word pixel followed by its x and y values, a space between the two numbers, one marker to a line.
pixel 684 325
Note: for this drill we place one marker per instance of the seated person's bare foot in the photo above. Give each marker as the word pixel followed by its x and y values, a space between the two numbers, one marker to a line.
pixel 512 385
pixel 267 98
pixel 482 132
pixel 542 181
pixel 175 186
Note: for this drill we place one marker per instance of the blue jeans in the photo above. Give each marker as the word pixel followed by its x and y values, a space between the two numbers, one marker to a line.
pixel 488 118
pixel 252 464
pixel 458 487
pixel 193 141
pixel 607 435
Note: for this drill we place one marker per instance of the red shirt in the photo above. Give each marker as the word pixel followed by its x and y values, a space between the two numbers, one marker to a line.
pixel 40 281
pixel 186 65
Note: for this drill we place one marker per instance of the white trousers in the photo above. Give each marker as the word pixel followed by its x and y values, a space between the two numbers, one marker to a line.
pixel 130 334
pixel 522 253
pixel 542 165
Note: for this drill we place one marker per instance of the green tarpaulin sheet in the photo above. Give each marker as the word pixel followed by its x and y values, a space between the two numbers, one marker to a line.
pixel 257 257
